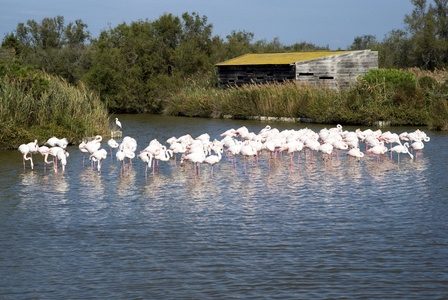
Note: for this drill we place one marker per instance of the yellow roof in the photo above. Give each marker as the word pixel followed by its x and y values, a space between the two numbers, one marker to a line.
pixel 277 58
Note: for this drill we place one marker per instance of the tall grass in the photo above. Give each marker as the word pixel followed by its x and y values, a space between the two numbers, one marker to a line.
pixel 404 103
pixel 61 110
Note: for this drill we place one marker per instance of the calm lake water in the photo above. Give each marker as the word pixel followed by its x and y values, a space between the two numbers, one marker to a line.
pixel 310 232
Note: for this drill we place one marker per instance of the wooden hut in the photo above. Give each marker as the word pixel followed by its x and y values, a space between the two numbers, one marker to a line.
pixel 336 69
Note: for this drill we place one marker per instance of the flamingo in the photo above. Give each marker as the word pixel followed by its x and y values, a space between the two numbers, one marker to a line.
pixel 356 154
pixel 54 151
pixel 269 146
pixel 146 157
pixel 204 138
pixel 292 147
pixel 94 145
pixel 99 156
pixel 196 158
pixel 171 140
pixel 112 144
pixel 83 149
pixel 213 159
pixel 312 145
pixel 417 146
pixel 24 149
pixel 43 151
pixel 91 146
pixel 52 141
pixel 62 157
pixel 163 155
pixel 177 148
pixel 229 133
pixel 401 149
pixel 243 132
pixel 120 155
pixel 326 149
pixel 63 143
pixel 378 150
pixel 235 150
pixel 339 145
pixel 247 150
pixel 34 147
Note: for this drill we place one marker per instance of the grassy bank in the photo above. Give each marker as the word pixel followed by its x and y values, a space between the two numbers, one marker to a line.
pixel 412 97
pixel 50 108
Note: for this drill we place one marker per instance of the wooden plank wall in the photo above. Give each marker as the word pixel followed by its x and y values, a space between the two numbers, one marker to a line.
pixel 259 74
pixel 337 71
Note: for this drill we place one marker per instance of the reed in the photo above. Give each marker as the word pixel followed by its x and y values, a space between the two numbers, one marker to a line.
pixel 404 103
pixel 60 110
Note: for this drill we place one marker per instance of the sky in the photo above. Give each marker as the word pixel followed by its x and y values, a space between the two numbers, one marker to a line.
pixel 321 22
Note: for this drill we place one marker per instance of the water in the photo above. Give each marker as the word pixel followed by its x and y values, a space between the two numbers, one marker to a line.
pixel 270 232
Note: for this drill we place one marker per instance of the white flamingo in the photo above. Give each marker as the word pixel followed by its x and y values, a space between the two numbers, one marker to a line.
pixel 146 157
pixel 99 156
pixel 401 149
pixel 213 159
pixel 24 149
pixel 112 145
pixel 248 150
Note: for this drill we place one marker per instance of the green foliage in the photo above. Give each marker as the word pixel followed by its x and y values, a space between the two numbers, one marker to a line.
pixel 60 109
pixel 402 104
pixel 364 42
pixel 52 46
pixel 27 78
pixel 388 77
pixel 428 83
pixel 438 114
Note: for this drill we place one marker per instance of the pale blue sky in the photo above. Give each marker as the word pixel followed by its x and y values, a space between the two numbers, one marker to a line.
pixel 322 22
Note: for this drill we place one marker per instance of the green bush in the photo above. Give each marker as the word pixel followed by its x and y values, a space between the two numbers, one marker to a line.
pixel 45 107
pixel 428 83
pixel 389 77
pixel 438 119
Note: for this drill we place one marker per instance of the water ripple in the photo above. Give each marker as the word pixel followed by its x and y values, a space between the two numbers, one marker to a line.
pixel 314 230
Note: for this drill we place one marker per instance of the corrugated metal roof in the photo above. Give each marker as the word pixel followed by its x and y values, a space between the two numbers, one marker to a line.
pixel 277 58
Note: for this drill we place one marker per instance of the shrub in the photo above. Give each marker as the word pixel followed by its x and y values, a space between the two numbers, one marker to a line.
pixel 389 77
pixel 428 83
pixel 438 119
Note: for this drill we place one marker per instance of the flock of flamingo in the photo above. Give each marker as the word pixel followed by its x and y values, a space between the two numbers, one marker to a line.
pixel 235 142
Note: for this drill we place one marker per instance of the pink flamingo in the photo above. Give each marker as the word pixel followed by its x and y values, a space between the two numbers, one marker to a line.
pixel 356 154
pixel 378 150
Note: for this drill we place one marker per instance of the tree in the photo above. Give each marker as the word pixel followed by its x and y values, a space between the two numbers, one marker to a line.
pixel 364 42
pixel 395 50
pixel 238 43
pixel 52 46
pixel 195 50
pixel 11 42
pixel 427 26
